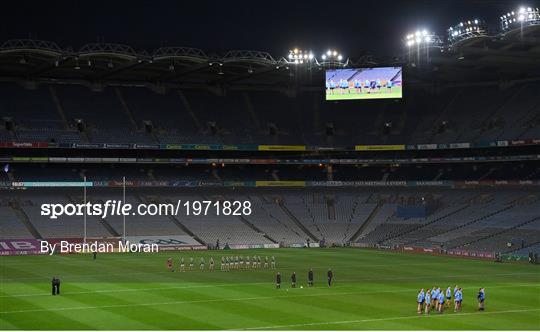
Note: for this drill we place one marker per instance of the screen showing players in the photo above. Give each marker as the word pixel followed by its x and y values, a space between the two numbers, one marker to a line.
pixel 364 83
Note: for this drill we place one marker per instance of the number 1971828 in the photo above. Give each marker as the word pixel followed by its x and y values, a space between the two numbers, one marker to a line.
pixel 218 208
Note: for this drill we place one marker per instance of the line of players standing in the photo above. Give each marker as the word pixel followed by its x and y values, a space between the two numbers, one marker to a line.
pixel 437 299
pixel 344 86
pixel 227 263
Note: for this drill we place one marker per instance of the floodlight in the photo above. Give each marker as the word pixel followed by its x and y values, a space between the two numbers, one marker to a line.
pixel 526 16
pixel 422 38
pixel 466 29
pixel 298 55
pixel 323 56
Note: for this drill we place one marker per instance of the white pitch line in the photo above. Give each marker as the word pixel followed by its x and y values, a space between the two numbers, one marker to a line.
pixel 217 286
pixel 386 319
pixel 231 300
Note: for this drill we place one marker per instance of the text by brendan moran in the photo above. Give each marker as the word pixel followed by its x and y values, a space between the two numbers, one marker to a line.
pixel 66 247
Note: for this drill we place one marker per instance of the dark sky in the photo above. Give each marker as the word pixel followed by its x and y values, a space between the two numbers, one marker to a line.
pixel 354 27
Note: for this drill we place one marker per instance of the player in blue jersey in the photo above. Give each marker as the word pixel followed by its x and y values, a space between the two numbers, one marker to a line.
pixel 389 85
pixel 448 296
pixel 378 84
pixel 367 86
pixel 481 299
pixel 332 87
pixel 357 86
pixel 458 297
pixel 344 86
pixel 420 298
pixel 435 297
pixel 440 302
pixel 428 302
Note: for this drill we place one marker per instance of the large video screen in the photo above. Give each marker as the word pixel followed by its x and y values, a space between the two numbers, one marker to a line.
pixel 364 83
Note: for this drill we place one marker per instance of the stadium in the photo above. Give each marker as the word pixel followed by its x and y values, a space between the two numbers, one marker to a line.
pixel 186 188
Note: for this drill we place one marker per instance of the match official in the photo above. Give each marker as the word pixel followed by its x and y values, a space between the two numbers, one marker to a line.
pixel 330 276
pixel 310 278
pixel 55 283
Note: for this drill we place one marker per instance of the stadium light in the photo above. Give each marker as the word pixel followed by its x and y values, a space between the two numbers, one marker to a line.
pixel 466 29
pixel 422 38
pixel 332 56
pixel 523 16
pixel 298 56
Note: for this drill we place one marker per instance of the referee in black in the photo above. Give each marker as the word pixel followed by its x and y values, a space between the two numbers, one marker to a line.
pixel 293 280
pixel 55 283
pixel 310 278
pixel 330 276
pixel 278 280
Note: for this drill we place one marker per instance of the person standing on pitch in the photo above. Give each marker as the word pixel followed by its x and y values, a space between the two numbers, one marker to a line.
pixel 481 298
pixel 458 297
pixel 293 280
pixel 428 302
pixel 310 278
pixel 278 280
pixel 55 283
pixel 420 298
pixel 330 276
pixel 448 296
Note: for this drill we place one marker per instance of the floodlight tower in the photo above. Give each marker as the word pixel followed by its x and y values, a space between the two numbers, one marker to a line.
pixel 333 58
pixel 422 39
pixel 524 16
pixel 300 57
pixel 465 30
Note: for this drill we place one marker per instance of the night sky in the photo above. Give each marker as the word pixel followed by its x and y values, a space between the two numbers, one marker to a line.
pixel 354 27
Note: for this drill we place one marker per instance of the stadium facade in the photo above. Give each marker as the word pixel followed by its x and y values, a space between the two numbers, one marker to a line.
pixel 453 167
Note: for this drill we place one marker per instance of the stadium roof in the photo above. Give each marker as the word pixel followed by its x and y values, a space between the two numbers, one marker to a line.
pixel 514 54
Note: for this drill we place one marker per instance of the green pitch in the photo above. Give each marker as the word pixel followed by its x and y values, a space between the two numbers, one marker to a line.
pixel 395 94
pixel 372 290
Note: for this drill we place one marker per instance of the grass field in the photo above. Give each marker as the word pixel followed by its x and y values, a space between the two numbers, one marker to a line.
pixel 372 290
pixel 395 94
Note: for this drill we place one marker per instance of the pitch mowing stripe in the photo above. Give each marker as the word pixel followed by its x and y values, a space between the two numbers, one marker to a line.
pixel 286 268
pixel 385 319
pixel 262 283
pixel 231 300
pixel 212 286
